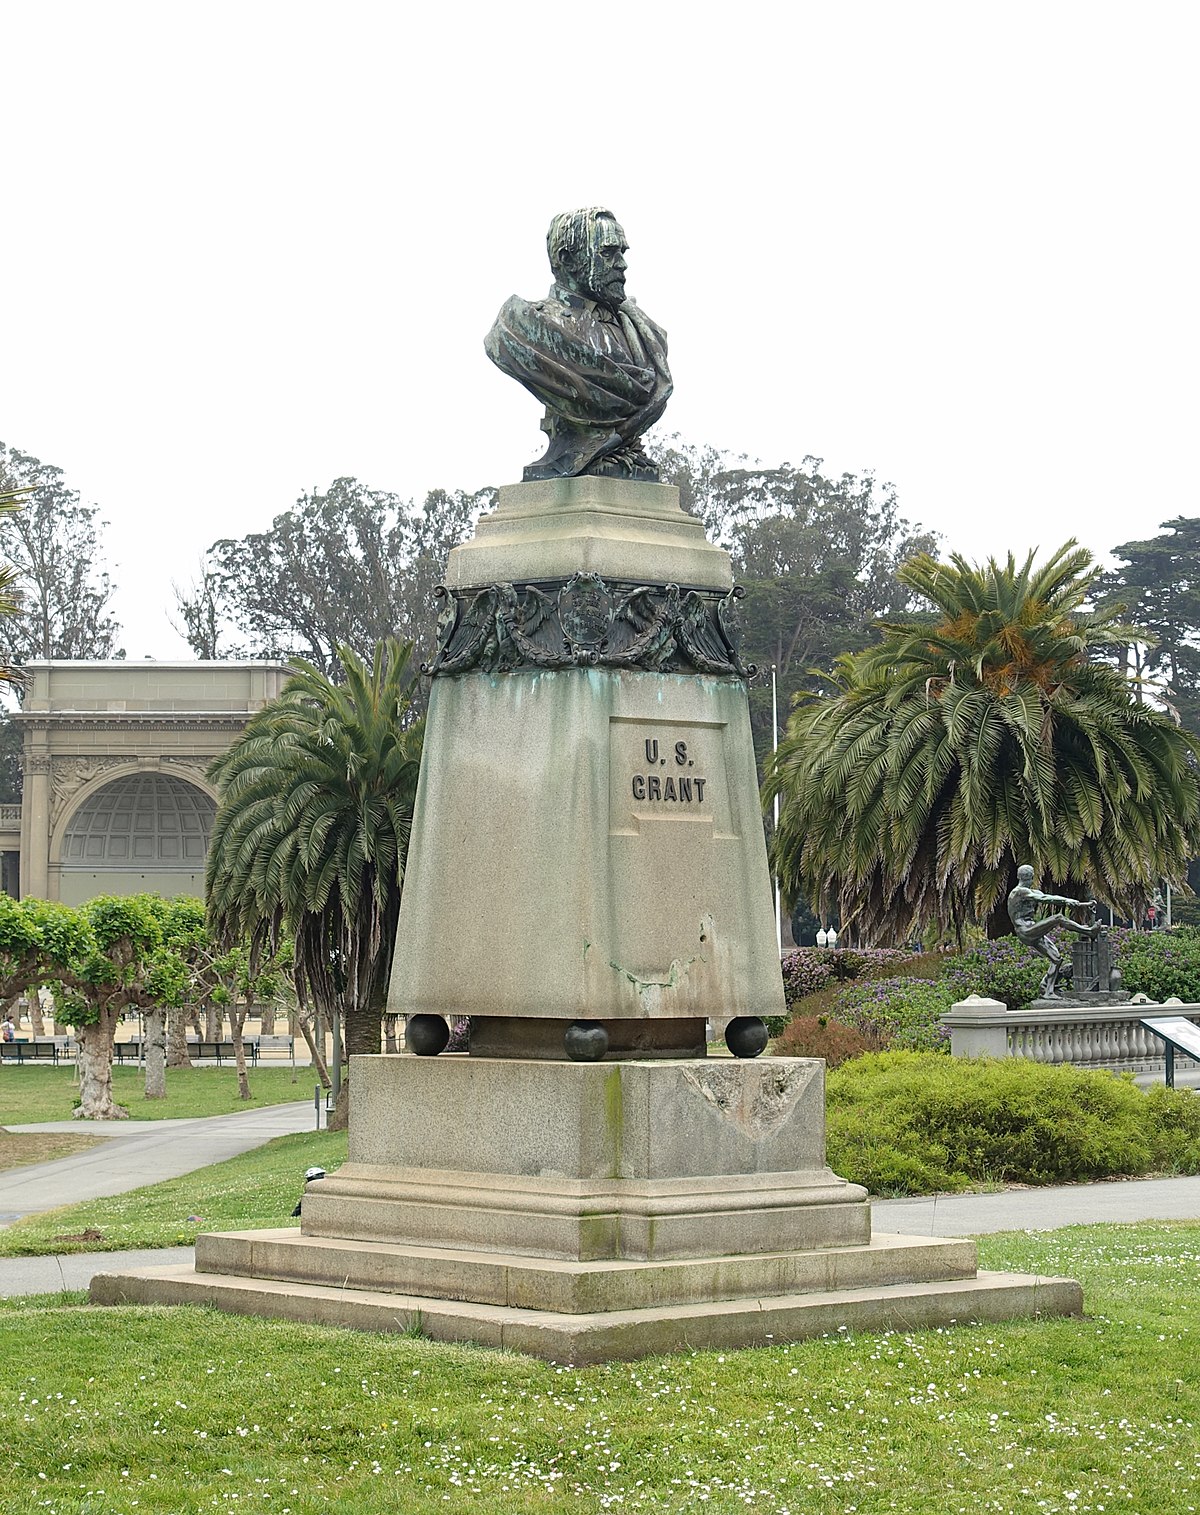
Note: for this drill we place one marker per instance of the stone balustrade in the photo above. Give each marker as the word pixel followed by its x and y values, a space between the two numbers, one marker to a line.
pixel 1084 1036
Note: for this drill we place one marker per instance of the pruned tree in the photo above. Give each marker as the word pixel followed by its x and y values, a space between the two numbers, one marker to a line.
pixel 100 959
pixel 51 543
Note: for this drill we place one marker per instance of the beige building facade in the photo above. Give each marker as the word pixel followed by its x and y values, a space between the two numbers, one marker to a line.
pixel 114 799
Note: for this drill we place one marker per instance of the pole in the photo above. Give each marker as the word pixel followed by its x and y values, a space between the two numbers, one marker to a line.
pixel 774 749
pixel 337 1052
pixel 1168 904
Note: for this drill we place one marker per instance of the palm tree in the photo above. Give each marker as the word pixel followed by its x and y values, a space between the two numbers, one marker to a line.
pixel 987 733
pixel 312 830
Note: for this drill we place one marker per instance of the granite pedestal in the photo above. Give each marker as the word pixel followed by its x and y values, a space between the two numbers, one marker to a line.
pixel 591 1211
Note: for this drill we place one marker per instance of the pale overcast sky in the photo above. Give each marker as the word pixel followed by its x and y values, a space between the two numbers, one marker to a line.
pixel 250 247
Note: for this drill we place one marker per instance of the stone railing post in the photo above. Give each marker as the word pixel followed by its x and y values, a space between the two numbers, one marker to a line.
pixel 977 1027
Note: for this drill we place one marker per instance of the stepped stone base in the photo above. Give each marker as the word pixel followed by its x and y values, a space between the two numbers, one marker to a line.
pixel 938 1287
pixel 584 1212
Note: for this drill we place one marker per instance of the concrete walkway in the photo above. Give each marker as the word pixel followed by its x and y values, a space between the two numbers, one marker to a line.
pixel 1040 1209
pixel 134 1153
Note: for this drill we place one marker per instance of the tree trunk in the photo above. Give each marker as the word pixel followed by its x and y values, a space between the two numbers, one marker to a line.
pixel 37 1024
pixel 178 1055
pixel 318 1056
pixel 154 1023
pixel 212 1023
pixel 193 1018
pixel 95 1070
pixel 389 1033
pixel 237 1024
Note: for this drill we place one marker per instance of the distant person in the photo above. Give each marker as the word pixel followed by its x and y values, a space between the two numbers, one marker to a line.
pixel 8 1032
pixel 1023 904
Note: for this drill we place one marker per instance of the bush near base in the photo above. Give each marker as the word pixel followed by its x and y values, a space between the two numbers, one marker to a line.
pixel 921 1123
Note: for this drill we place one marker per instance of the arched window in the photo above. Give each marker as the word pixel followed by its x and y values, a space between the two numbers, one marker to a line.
pixel 145 821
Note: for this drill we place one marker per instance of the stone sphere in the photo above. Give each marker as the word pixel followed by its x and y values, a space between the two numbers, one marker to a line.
pixel 746 1036
pixel 585 1041
pixel 426 1035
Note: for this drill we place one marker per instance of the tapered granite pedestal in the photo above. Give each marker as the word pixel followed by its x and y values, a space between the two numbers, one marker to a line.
pixel 587 874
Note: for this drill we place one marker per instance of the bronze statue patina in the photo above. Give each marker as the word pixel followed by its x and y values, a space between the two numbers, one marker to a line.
pixel 1023 905
pixel 594 360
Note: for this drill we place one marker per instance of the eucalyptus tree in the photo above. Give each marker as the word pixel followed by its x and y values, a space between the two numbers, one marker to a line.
pixel 986 732
pixel 1158 581
pixel 815 555
pixel 312 829
pixel 51 543
pixel 347 564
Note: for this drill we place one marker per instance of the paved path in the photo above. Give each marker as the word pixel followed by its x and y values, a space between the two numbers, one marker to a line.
pixel 1040 1209
pixel 50 1275
pixel 134 1153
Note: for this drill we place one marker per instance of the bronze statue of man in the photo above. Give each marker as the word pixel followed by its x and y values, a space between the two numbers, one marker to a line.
pixel 594 360
pixel 1023 904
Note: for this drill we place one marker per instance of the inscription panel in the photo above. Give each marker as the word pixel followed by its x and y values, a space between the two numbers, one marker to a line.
pixel 667 770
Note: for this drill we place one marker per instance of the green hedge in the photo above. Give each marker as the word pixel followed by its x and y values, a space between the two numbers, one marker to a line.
pixel 920 1123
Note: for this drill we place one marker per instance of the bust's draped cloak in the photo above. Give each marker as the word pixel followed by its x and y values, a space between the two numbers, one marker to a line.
pixel 602 375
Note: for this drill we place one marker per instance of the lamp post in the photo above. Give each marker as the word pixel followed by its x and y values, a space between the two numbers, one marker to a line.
pixel 775 748
pixel 833 936
pixel 822 937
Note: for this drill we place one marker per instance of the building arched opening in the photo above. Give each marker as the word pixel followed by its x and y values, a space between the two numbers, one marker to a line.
pixel 144 834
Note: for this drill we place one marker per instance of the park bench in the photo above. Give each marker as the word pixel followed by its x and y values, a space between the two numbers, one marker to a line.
pixel 284 1044
pixel 40 1049
pixel 224 1051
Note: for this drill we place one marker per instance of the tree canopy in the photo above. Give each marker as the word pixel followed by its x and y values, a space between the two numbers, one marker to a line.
pixel 51 543
pixel 350 566
pixel 1158 583
pixel 816 556
pixel 987 732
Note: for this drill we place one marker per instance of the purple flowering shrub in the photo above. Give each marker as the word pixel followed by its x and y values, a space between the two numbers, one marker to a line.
pixel 1005 969
pixel 1160 964
pixel 805 971
pixel 902 1014
pixel 809 969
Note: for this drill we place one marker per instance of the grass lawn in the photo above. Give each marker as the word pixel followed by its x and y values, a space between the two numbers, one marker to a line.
pixel 19 1148
pixel 255 1189
pixel 138 1411
pixel 30 1093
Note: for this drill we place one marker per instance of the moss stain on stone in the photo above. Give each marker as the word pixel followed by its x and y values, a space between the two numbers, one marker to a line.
pixel 614 1117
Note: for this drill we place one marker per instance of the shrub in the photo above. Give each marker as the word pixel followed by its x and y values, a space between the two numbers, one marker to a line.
pixel 1160 964
pixel 897 1012
pixel 1006 970
pixel 865 962
pixel 804 972
pixel 820 1036
pixel 809 969
pixel 915 1123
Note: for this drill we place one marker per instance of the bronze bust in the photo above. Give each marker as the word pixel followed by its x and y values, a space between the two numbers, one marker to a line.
pixel 593 359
